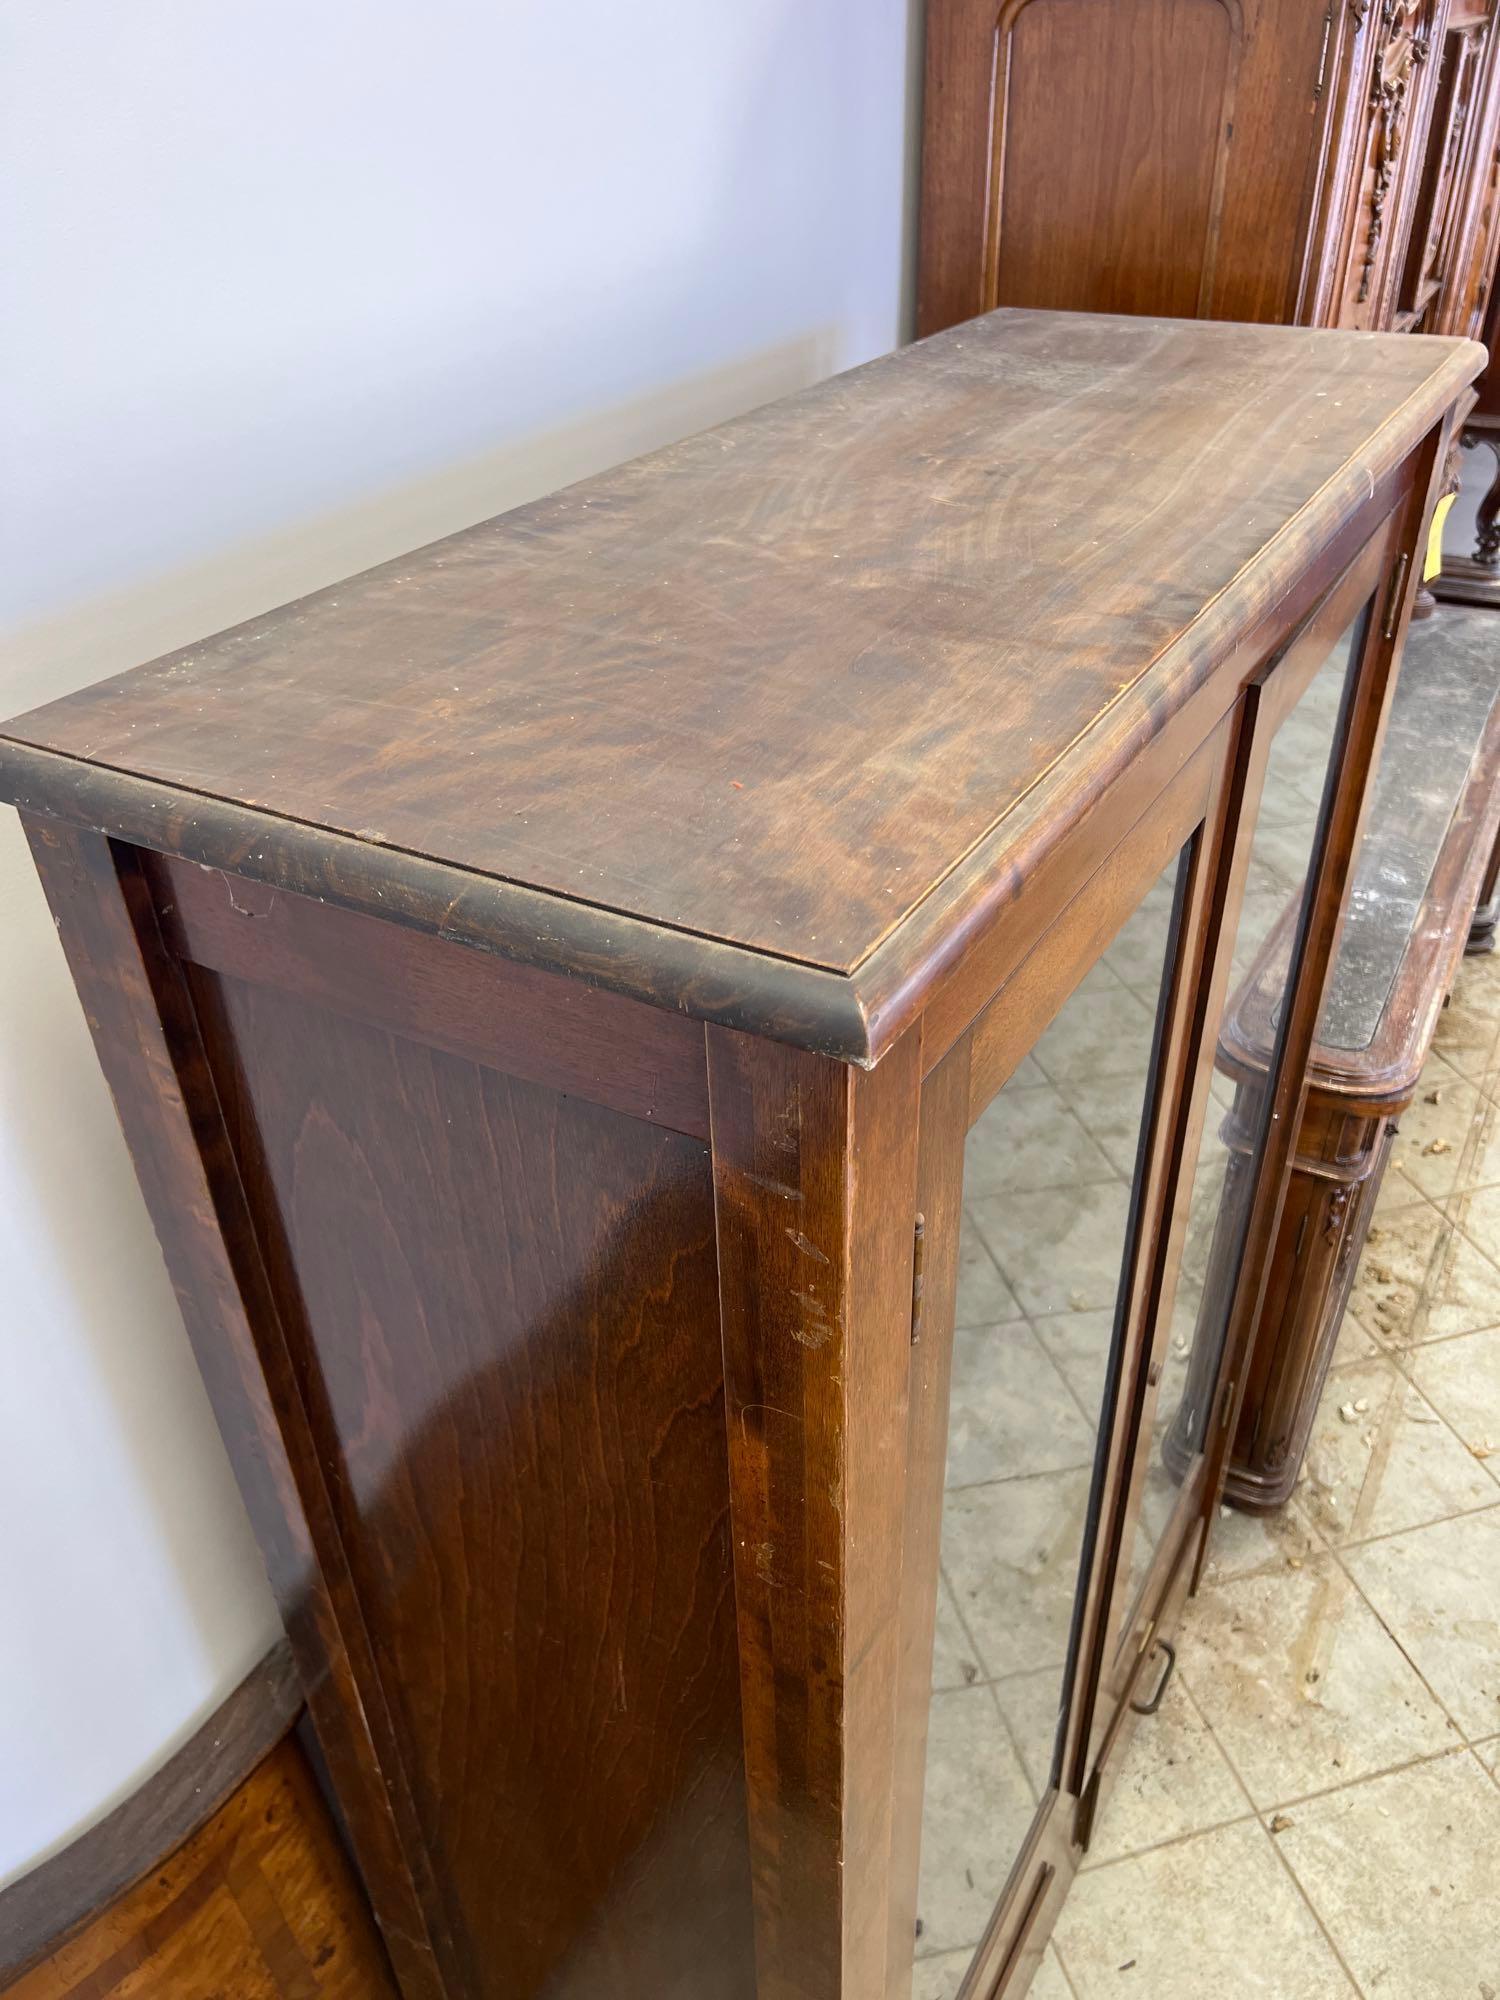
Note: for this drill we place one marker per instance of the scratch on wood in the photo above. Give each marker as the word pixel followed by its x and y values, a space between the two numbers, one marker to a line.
pixel 805 1245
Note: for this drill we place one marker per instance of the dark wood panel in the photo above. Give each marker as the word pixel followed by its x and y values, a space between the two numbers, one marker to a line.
pixel 799 668
pixel 501 1305
pixel 1136 101
pixel 531 1024
pixel 940 1190
pixel 1142 156
pixel 259 1904
pixel 41 1910
pixel 815 1169
pixel 147 1040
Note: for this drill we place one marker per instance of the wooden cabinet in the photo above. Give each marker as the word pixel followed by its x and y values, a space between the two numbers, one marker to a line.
pixel 1418 877
pixel 573 995
pixel 1227 159
pixel 1272 160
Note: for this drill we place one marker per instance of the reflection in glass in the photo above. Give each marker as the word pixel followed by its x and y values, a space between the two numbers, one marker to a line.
pixel 1048 1176
pixel 1265 947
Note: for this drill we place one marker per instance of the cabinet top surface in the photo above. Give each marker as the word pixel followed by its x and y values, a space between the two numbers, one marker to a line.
pixel 772 685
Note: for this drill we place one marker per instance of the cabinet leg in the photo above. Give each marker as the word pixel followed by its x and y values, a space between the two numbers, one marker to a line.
pixel 815 1183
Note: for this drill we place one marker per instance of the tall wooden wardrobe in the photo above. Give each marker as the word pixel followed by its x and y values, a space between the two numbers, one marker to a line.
pixel 1318 162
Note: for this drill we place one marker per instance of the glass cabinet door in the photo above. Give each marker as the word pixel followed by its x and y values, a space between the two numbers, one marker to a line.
pixel 1109 1191
pixel 1216 1188
pixel 1050 1198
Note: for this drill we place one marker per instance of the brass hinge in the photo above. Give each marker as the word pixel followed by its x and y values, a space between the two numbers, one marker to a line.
pixel 918 1273
pixel 1323 53
pixel 1393 605
pixel 1228 1403
pixel 1088 1806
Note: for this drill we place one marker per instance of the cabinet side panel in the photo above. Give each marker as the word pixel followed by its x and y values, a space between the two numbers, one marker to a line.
pixel 1111 124
pixel 502 1302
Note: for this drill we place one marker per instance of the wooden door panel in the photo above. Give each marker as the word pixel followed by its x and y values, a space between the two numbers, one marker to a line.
pixel 1110 136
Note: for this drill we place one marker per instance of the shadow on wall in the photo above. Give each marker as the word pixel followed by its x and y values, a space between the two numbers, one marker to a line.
pixel 109 634
pixel 105 1428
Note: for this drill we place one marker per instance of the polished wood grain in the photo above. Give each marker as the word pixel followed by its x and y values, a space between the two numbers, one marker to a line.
pixel 805 667
pixel 945 1120
pixel 150 1048
pixel 568 1351
pixel 258 1904
pixel 574 1037
pixel 42 1909
pixel 1253 160
pixel 1156 156
pixel 1126 131
pixel 815 1176
pixel 220 1874
pixel 501 1303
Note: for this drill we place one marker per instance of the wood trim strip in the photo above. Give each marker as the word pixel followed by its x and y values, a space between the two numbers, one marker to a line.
pixel 721 984
pixel 45 1907
pixel 939 1196
pixel 815 1182
pixel 559 1032
pixel 856 1015
pixel 1085 928
pixel 1339 838
pixel 914 966
pixel 147 1039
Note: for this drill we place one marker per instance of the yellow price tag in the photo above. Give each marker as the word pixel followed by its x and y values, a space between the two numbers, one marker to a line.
pixel 1435 540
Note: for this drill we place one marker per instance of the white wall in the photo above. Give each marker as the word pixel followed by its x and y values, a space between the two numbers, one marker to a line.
pixel 290 288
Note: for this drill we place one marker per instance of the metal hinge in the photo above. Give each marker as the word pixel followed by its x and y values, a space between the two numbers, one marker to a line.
pixel 1323 53
pixel 1393 605
pixel 1228 1403
pixel 918 1273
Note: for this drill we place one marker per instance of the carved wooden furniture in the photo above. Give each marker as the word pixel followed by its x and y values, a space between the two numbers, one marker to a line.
pixel 1235 159
pixel 223 1874
pixel 1328 164
pixel 574 995
pixel 1433 822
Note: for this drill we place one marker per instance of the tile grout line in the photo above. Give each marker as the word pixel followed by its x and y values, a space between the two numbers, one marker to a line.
pixel 1404 1381
pixel 1062 1965
pixel 1462 1744
pixel 1336 1550
pixel 991 1682
pixel 1416 1528
pixel 1314 1912
pixel 1453 1749
pixel 1261 1820
pixel 1460 1733
pixel 1394 1354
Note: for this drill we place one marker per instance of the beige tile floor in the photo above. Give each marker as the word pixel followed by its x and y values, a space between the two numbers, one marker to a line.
pixel 1316 1809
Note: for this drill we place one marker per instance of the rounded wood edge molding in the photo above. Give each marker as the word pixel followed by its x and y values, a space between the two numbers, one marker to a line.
pixel 42 1909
